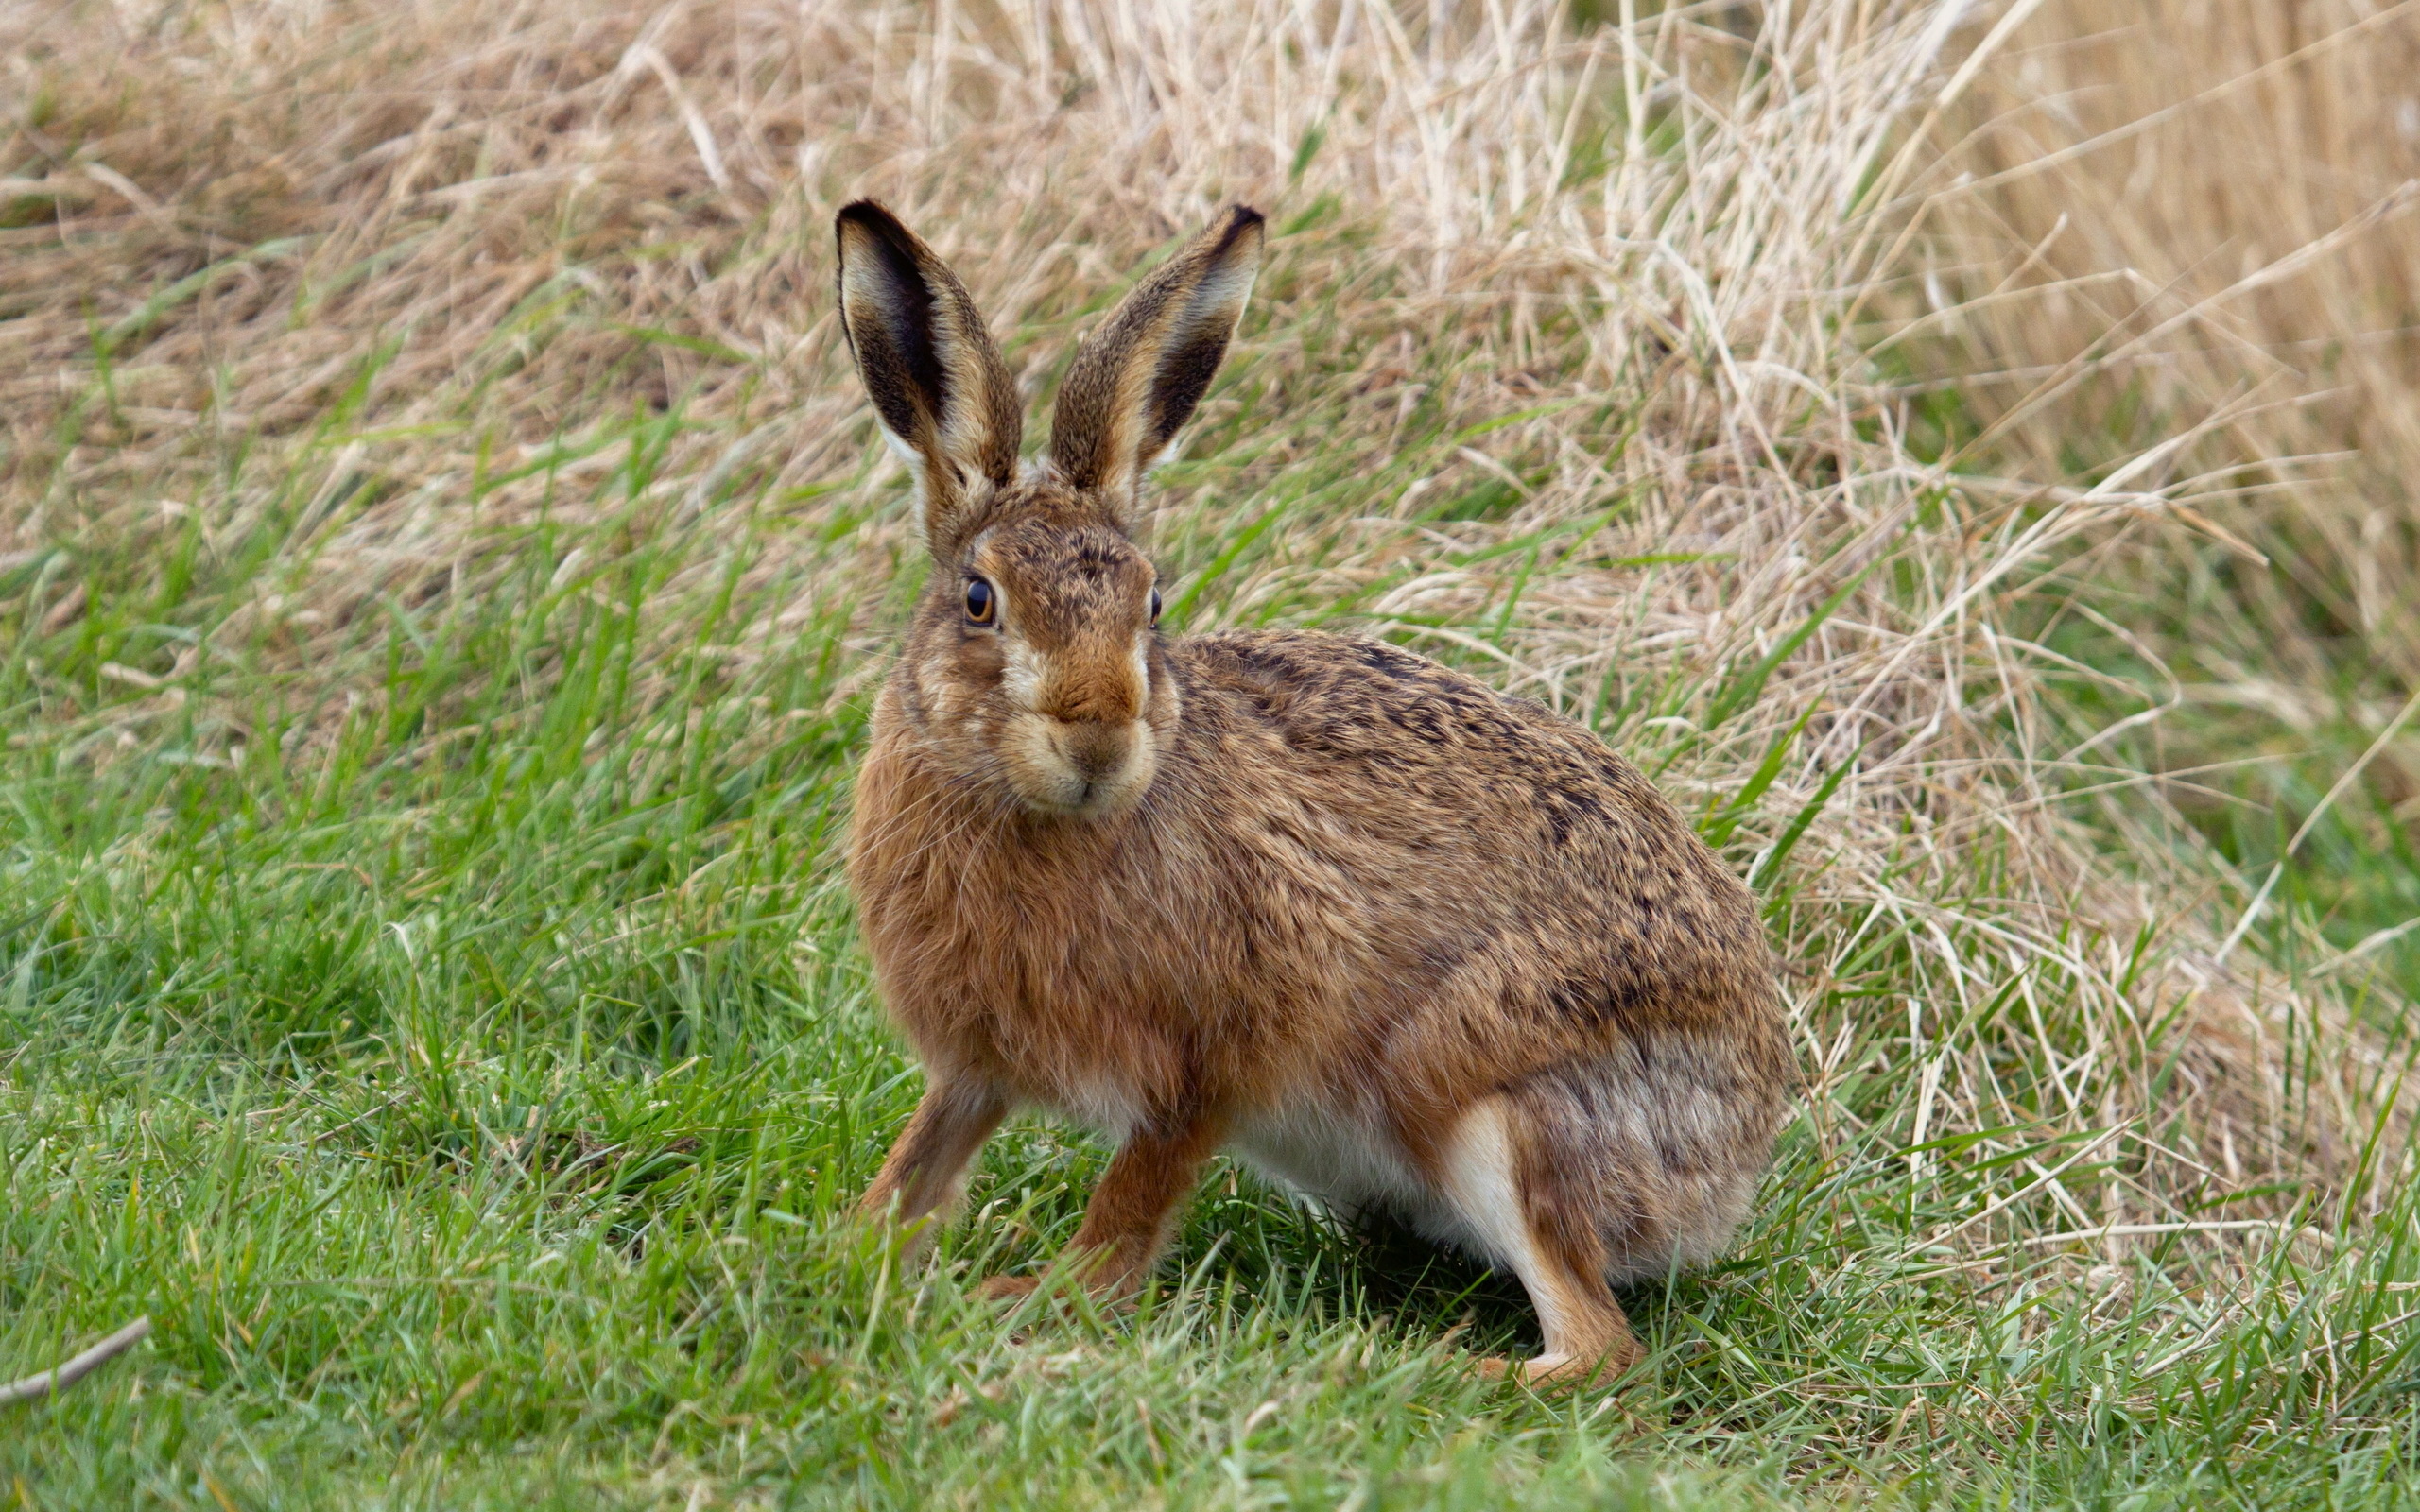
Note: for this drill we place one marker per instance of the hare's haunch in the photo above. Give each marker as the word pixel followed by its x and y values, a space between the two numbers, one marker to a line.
pixel 1400 941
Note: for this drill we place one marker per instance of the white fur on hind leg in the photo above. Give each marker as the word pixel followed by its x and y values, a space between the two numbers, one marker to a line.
pixel 1484 1185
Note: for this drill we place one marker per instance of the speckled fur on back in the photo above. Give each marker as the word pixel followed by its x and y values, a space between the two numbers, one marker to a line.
pixel 1400 941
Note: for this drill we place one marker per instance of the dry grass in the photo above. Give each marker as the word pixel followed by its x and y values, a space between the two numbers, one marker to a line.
pixel 2225 187
pixel 2197 219
pixel 337 304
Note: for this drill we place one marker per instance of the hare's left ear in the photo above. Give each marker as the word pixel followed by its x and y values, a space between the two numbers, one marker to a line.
pixel 944 396
pixel 1138 377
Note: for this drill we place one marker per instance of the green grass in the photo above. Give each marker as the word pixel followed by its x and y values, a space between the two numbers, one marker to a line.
pixel 2254 777
pixel 459 1045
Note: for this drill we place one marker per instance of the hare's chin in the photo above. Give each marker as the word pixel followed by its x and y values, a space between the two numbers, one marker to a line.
pixel 1048 777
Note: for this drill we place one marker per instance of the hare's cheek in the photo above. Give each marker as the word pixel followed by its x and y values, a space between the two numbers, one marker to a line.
pixel 940 688
pixel 1160 703
pixel 1022 673
pixel 973 657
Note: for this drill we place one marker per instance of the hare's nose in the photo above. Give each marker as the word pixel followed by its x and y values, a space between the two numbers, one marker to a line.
pixel 1095 748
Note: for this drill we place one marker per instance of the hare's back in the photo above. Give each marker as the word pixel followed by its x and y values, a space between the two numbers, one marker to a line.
pixel 1465 813
pixel 1342 721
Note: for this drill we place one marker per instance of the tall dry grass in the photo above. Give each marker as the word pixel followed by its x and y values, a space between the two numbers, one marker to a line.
pixel 354 295
pixel 2199 216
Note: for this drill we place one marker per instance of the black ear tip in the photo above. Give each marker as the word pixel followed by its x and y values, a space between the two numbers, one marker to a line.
pixel 1243 226
pixel 868 216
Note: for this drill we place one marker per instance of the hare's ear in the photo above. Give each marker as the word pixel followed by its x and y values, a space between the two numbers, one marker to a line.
pixel 947 401
pixel 1139 375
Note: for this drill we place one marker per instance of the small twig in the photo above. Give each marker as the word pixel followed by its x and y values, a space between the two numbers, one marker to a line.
pixel 45 1382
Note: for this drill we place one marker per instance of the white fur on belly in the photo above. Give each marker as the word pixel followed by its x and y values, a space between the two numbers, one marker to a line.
pixel 1343 1165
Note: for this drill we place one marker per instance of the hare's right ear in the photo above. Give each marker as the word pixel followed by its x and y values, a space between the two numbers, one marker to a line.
pixel 1137 379
pixel 945 399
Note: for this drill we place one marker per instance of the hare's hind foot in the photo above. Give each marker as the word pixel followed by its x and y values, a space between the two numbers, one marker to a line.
pixel 1564 1372
pixel 1588 1341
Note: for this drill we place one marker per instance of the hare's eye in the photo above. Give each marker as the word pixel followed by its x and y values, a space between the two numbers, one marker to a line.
pixel 1155 606
pixel 978 601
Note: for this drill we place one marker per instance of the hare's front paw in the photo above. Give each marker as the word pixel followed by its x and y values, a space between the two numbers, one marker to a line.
pixel 1007 1288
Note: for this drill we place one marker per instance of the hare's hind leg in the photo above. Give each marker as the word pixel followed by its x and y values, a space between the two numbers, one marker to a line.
pixel 1561 1262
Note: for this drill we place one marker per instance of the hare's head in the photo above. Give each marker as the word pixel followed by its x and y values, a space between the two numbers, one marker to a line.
pixel 1034 659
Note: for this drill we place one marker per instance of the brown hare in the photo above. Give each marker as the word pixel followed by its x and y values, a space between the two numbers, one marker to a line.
pixel 1398 940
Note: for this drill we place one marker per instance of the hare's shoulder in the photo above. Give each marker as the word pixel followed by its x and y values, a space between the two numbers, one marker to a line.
pixel 1344 696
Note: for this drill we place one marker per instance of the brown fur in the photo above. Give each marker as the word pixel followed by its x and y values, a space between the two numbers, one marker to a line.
pixel 1351 911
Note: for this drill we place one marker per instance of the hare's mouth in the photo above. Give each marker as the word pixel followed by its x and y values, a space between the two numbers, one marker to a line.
pixel 1080 766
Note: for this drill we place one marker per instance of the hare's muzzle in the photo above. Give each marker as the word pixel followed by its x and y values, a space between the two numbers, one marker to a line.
pixel 1095 750
pixel 1080 766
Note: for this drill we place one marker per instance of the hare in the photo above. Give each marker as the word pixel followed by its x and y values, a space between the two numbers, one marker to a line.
pixel 1395 939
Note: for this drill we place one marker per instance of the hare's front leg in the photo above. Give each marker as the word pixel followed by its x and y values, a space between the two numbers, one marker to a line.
pixel 927 1162
pixel 1126 1222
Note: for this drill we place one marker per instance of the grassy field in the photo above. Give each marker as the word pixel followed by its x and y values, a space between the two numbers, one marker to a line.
pixel 444 564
